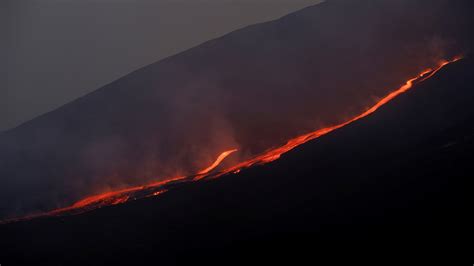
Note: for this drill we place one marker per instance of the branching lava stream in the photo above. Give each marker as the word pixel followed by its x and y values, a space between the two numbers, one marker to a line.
pixel 124 195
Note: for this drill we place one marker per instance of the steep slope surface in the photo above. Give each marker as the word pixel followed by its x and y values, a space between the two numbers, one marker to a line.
pixel 251 90
pixel 397 175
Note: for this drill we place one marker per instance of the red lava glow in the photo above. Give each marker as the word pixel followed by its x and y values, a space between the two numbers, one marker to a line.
pixel 274 154
pixel 158 188
pixel 117 197
pixel 217 162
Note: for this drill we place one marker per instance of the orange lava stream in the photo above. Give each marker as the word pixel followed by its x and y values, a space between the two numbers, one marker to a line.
pixel 275 153
pixel 217 162
pixel 157 188
pixel 108 195
pixel 124 195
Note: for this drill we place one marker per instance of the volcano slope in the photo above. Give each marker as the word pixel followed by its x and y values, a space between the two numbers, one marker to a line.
pixel 399 174
pixel 252 89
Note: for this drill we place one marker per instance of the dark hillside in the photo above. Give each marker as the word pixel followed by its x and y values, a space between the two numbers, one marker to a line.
pixel 398 175
pixel 251 89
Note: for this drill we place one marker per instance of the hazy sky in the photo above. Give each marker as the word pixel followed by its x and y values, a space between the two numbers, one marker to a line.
pixel 58 50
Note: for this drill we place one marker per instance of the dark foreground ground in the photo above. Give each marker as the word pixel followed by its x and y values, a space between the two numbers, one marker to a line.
pixel 392 184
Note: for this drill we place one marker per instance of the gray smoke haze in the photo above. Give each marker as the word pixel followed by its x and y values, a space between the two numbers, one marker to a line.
pixel 54 51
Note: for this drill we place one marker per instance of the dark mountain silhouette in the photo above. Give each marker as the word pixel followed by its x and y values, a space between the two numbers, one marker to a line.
pixel 397 179
pixel 251 89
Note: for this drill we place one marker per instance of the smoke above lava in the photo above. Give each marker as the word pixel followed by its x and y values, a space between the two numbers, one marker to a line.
pixel 158 188
pixel 251 90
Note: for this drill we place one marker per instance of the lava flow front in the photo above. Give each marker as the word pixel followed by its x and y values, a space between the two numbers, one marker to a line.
pixel 124 195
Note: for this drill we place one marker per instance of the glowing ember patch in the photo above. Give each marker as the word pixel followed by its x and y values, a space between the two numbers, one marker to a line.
pixel 159 192
pixel 98 198
pixel 120 200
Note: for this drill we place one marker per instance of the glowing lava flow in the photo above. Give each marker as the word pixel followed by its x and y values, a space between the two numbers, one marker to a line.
pixel 124 195
pixel 275 154
pixel 121 196
pixel 217 162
